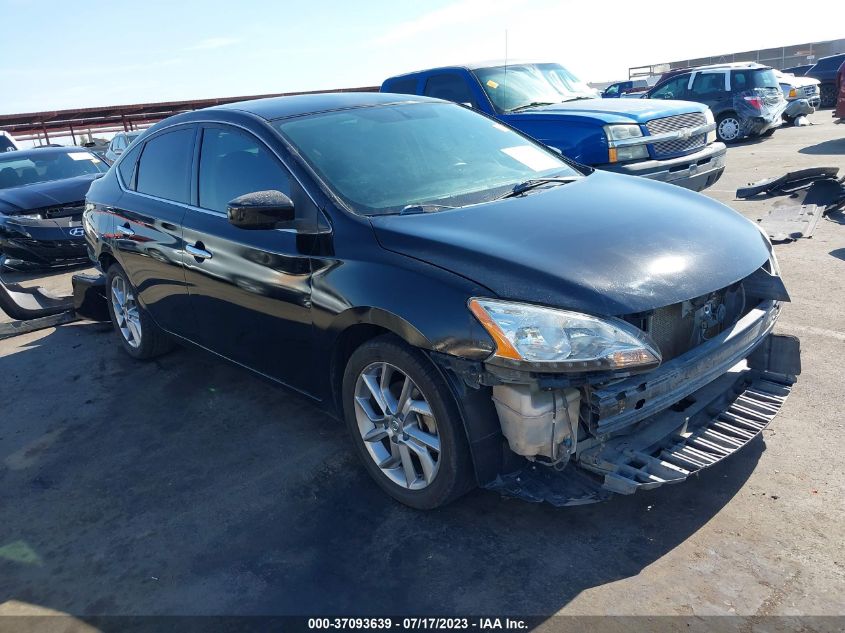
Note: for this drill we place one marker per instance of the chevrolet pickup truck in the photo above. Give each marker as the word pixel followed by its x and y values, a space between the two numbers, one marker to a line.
pixel 670 141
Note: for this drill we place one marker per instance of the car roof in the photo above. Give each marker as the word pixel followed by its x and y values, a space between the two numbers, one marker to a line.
pixel 297 105
pixel 821 59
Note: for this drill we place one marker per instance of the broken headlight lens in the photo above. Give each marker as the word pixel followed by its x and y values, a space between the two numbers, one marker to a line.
pixel 560 340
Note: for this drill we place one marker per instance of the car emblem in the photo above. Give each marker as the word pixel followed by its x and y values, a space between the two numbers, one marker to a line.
pixel 77 231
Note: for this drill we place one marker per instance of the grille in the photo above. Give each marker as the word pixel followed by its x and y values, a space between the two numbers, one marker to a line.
pixel 71 209
pixel 679 327
pixel 673 123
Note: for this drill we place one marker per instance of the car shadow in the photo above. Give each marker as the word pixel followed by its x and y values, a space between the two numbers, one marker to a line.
pixel 832 147
pixel 187 486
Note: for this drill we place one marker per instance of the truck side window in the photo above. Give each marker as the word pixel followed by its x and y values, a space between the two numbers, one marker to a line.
pixel 449 86
pixel 403 86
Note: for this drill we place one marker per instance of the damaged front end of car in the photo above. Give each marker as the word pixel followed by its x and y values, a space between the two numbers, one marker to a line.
pixel 689 385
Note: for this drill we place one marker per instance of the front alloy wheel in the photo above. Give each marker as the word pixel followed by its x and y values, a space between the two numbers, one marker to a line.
pixel 405 423
pixel 397 426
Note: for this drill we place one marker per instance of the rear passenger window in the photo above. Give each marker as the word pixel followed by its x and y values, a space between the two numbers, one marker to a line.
pixel 403 86
pixel 450 87
pixel 708 84
pixel 165 167
pixel 233 163
pixel 126 167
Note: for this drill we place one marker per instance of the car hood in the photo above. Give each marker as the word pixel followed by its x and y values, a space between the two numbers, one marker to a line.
pixel 45 194
pixel 612 110
pixel 607 244
pixel 799 82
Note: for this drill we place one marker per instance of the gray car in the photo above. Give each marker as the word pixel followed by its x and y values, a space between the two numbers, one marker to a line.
pixel 119 143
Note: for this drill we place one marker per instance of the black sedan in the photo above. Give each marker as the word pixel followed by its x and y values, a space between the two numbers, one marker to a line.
pixel 479 310
pixel 42 196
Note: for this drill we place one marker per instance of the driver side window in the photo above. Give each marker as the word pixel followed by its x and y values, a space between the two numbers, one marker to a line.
pixel 233 163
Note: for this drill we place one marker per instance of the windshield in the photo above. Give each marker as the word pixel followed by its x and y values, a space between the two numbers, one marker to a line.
pixel 514 87
pixel 380 160
pixel 27 168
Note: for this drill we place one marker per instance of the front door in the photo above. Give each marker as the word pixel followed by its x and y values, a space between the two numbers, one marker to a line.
pixel 250 289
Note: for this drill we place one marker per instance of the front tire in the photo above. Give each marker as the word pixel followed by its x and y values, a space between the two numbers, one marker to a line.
pixel 136 331
pixel 405 424
pixel 728 128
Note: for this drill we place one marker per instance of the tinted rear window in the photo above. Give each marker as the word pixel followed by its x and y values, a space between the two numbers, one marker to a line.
pixel 748 79
pixel 6 145
pixel 165 167
pixel 450 86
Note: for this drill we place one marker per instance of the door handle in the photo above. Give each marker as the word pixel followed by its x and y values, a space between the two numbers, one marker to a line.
pixel 199 253
pixel 125 231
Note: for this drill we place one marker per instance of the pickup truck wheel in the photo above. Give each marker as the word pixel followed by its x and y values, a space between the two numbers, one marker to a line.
pixel 828 95
pixel 138 335
pixel 405 424
pixel 728 128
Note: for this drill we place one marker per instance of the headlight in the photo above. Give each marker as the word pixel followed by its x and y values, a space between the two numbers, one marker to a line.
pixel 621 132
pixel 624 132
pixel 27 216
pixel 632 152
pixel 710 119
pixel 560 340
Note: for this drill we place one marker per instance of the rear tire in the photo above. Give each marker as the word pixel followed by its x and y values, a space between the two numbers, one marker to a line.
pixel 728 128
pixel 139 336
pixel 405 424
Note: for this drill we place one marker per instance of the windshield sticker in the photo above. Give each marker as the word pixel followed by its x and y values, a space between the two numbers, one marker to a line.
pixel 532 157
pixel 492 84
pixel 82 156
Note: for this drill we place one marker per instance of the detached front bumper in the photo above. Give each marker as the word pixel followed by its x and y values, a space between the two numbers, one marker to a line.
pixel 694 171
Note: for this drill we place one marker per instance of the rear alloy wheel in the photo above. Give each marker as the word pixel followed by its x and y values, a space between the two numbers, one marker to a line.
pixel 405 424
pixel 138 334
pixel 728 128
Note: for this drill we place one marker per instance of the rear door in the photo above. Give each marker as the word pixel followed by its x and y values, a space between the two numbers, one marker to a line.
pixel 250 289
pixel 710 89
pixel 147 224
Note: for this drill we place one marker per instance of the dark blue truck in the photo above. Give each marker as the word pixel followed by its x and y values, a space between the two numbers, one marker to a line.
pixel 671 141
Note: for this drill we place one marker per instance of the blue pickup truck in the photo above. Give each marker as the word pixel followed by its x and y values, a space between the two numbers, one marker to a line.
pixel 671 141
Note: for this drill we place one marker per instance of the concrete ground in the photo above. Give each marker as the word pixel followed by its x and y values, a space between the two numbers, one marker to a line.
pixel 186 486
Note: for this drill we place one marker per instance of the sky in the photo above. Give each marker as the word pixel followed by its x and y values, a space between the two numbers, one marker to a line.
pixel 60 54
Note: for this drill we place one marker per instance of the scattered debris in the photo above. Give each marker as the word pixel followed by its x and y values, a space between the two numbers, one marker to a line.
pixel 812 193
pixel 789 182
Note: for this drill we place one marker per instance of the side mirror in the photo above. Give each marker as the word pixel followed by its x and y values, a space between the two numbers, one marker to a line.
pixel 260 210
